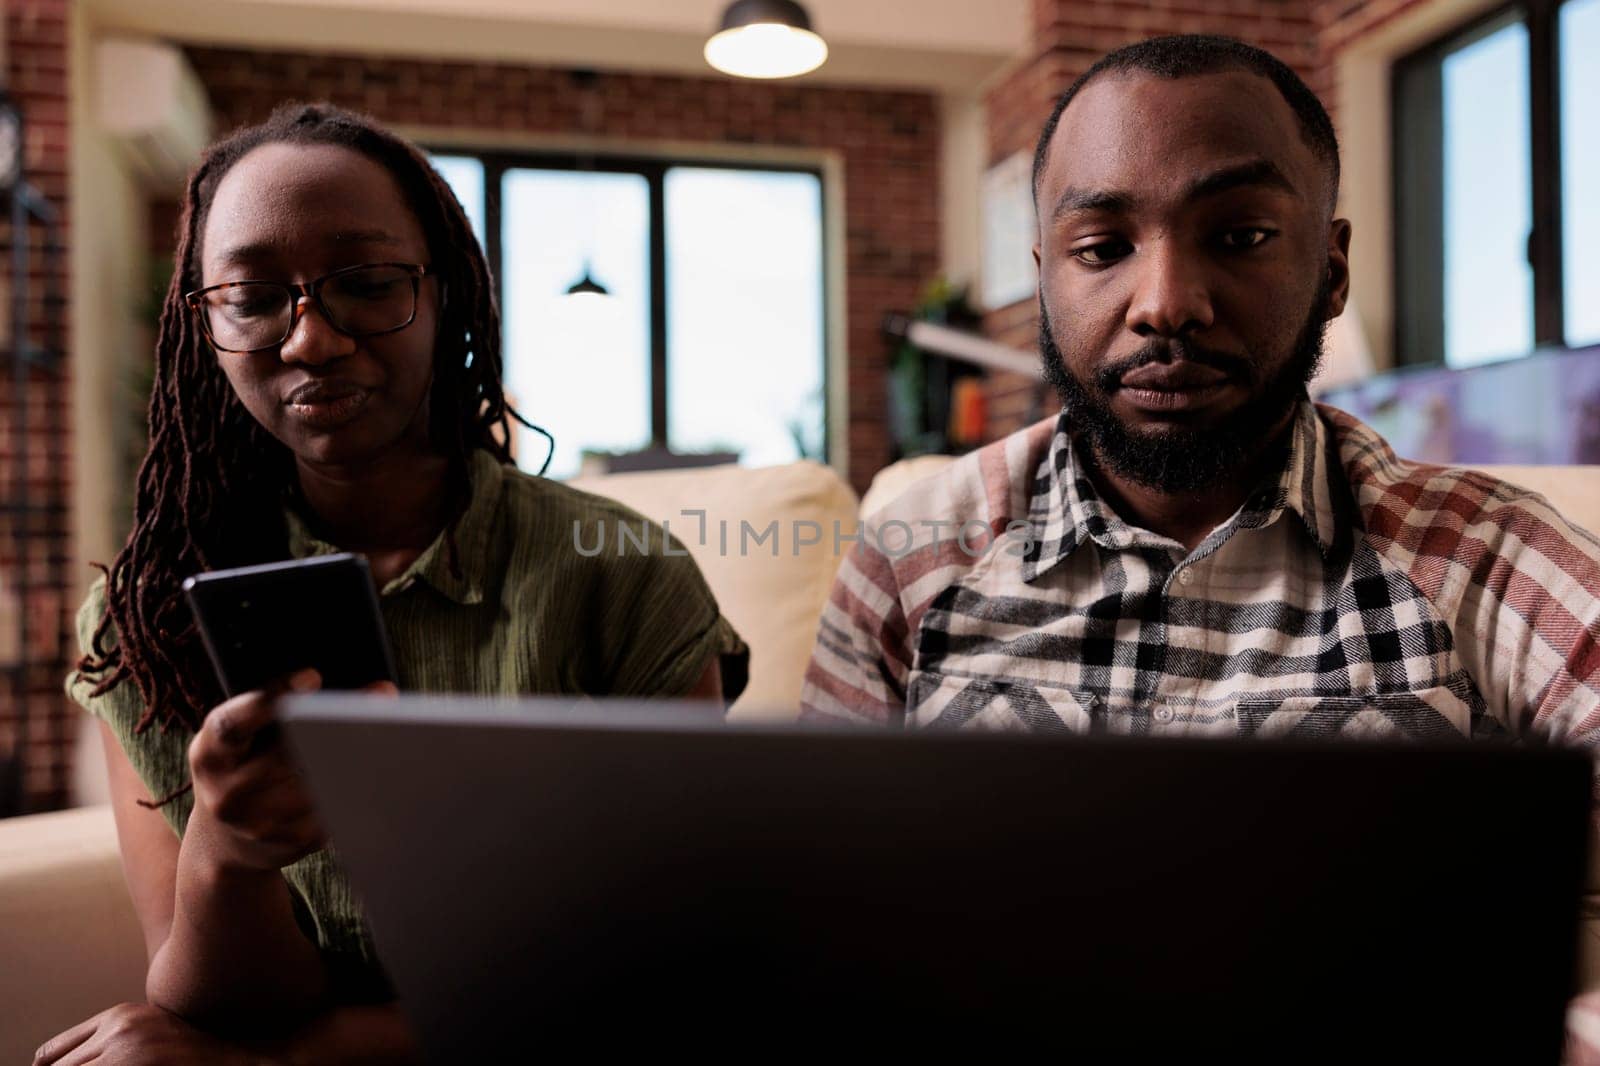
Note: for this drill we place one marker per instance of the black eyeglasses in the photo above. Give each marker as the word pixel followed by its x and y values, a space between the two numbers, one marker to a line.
pixel 358 301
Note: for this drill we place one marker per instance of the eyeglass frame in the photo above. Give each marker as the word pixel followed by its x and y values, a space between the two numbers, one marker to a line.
pixel 305 290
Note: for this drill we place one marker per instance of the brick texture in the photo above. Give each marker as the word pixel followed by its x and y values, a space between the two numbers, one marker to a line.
pixel 36 546
pixel 889 143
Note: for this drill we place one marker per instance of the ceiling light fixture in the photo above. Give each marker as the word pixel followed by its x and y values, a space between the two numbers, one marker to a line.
pixel 587 82
pixel 766 39
pixel 587 286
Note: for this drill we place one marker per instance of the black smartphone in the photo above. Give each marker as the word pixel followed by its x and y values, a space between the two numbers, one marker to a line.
pixel 263 623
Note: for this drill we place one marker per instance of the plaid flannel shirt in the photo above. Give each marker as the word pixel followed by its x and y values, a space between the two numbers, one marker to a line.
pixel 1357 594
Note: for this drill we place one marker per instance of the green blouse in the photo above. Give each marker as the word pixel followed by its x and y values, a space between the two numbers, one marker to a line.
pixel 556 591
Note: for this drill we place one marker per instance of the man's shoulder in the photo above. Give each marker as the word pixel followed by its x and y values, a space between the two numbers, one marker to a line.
pixel 992 484
pixel 1429 518
pixel 943 525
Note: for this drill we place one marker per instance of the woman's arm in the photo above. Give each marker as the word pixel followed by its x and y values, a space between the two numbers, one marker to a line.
pixel 139 1034
pixel 258 919
pixel 219 925
pixel 235 956
pixel 182 898
pixel 201 912
pixel 148 846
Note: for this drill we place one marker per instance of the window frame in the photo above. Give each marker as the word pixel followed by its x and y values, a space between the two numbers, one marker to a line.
pixel 497 161
pixel 1417 187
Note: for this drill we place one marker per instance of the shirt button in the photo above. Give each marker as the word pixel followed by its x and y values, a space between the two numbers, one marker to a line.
pixel 1163 714
pixel 1185 577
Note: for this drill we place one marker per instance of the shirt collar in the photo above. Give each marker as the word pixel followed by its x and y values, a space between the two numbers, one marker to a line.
pixel 1065 509
pixel 463 583
pixel 1306 486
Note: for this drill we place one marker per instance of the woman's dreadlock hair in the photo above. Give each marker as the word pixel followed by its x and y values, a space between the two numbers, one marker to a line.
pixel 212 486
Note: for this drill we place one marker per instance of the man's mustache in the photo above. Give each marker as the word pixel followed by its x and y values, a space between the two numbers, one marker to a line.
pixel 1238 369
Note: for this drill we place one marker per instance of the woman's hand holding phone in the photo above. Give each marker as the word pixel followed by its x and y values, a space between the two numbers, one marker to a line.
pixel 253 815
pixel 250 801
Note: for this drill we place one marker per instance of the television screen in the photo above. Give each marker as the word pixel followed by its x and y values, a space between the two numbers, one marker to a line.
pixel 1541 409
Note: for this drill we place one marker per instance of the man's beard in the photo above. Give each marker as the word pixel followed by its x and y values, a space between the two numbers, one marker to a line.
pixel 1179 459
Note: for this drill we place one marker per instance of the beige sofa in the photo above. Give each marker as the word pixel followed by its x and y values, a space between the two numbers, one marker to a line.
pixel 69 943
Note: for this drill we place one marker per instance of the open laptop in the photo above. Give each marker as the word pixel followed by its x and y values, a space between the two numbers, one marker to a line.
pixel 548 873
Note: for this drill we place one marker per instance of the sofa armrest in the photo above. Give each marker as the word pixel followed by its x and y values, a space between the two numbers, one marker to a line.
pixel 70 943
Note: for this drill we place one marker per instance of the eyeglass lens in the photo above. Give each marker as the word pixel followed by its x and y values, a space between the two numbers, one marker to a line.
pixel 359 302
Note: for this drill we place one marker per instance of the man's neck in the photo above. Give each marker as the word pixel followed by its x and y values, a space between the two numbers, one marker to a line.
pixel 1188 517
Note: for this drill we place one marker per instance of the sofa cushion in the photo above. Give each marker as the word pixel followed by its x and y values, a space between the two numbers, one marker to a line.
pixel 748 544
pixel 70 943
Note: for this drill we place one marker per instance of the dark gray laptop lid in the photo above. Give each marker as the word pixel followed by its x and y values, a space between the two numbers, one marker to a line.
pixel 641 875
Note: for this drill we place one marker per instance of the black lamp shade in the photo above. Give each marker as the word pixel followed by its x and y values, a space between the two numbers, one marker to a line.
pixel 586 285
pixel 765 39
pixel 778 12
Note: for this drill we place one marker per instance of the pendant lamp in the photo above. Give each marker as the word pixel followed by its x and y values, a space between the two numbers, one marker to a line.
pixel 766 39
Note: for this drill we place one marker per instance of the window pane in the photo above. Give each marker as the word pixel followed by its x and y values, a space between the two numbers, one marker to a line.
pixel 744 315
pixel 1488 284
pixel 464 175
pixel 1580 167
pixel 578 366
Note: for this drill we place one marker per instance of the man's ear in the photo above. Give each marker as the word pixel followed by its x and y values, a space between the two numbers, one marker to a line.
pixel 1338 267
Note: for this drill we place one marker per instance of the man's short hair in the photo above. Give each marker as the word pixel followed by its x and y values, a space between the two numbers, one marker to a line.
pixel 1190 55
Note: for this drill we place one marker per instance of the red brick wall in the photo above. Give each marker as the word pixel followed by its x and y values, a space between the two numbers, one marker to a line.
pixel 889 142
pixel 1069 35
pixel 36 79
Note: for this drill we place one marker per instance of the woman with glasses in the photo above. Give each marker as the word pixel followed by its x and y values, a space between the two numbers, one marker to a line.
pixel 328 378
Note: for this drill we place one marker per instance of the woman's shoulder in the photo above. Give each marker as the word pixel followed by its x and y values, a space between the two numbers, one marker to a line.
pixel 91 612
pixel 594 550
pixel 645 596
pixel 531 491
pixel 562 518
pixel 83 683
pixel 94 601
pixel 120 703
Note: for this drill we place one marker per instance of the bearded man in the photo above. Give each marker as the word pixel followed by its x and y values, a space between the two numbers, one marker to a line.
pixel 1193 546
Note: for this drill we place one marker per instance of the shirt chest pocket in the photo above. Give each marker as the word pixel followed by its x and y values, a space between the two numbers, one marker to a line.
pixel 951 701
pixel 1427 714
